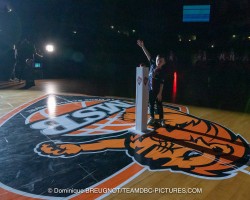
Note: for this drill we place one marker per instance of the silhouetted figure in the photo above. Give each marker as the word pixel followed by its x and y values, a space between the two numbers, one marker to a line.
pixel 13 73
pixel 204 56
pixel 25 50
pixel 232 55
pixel 25 62
pixel 222 57
pixel 199 56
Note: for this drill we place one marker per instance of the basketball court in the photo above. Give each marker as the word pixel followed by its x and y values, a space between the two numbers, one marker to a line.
pixel 61 145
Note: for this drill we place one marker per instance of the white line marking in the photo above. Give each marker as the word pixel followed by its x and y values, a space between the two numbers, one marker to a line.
pixel 10 105
pixel 22 115
pixel 245 171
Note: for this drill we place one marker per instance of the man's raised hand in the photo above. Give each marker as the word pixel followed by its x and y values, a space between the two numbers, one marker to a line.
pixel 140 43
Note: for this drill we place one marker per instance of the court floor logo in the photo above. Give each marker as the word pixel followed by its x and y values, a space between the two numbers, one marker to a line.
pixel 61 141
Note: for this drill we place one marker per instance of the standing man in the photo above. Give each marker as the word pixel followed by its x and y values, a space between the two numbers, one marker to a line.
pixel 156 82
pixel 26 52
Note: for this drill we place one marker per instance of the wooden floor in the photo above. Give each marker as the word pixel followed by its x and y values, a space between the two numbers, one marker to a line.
pixel 172 184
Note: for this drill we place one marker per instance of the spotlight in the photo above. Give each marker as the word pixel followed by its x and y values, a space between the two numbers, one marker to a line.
pixel 5 7
pixel 50 48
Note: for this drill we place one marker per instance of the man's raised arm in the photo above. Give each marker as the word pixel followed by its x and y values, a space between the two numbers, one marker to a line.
pixel 141 44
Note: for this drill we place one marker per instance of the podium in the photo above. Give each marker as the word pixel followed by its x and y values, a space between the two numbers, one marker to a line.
pixel 141 113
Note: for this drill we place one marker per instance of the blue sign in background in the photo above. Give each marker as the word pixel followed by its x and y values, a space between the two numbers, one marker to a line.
pixel 196 13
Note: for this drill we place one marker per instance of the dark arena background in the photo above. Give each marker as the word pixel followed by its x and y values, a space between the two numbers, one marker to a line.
pixel 66 114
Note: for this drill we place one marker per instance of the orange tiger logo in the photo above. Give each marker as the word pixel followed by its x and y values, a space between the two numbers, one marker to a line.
pixel 187 144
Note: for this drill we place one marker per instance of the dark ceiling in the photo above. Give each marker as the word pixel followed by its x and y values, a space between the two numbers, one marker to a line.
pixel 77 22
